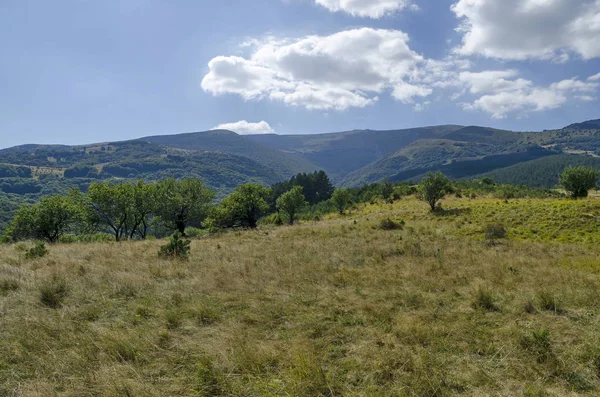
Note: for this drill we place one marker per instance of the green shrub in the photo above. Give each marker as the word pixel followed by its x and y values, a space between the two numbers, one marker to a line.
pixel 177 248
pixel 578 382
pixel 390 224
pixel 54 292
pixel 194 232
pixel 68 239
pixel 37 251
pixel 95 238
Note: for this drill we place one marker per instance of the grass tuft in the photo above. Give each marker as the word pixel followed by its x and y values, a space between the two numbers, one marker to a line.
pixel 390 224
pixel 54 292
pixel 538 343
pixel 485 300
pixel 529 307
pixel 8 285
pixel 549 302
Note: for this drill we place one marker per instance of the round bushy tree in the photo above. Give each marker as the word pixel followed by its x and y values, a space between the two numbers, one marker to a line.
pixel 291 202
pixel 341 198
pixel 433 188
pixel 48 220
pixel 243 207
pixel 579 180
pixel 182 202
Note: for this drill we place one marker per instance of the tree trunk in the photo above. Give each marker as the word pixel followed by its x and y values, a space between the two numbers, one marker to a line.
pixel 180 228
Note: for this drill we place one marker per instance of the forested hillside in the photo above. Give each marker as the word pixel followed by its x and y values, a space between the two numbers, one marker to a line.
pixel 542 172
pixel 224 159
pixel 283 164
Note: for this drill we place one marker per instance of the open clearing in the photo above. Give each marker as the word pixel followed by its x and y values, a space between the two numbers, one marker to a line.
pixel 338 307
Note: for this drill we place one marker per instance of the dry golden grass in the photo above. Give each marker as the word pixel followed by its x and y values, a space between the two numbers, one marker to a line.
pixel 334 308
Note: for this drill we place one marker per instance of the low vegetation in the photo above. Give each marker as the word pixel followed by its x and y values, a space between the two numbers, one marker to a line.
pixel 39 250
pixel 370 291
pixel 176 248
pixel 340 307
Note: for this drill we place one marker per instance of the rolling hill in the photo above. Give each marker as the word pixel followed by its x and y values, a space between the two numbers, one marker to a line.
pixel 224 159
pixel 284 164
pixel 342 153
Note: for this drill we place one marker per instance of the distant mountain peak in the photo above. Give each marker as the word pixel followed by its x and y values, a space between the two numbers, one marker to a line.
pixel 586 125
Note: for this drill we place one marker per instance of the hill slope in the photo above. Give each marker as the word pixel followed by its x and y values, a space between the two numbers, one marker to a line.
pixel 332 308
pixel 344 152
pixel 543 172
pixel 224 159
pixel 284 164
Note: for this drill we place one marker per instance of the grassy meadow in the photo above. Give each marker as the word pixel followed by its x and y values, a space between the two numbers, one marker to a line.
pixel 338 307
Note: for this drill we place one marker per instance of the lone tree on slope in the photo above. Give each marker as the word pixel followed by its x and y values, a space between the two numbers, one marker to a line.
pixel 433 188
pixel 291 202
pixel 579 180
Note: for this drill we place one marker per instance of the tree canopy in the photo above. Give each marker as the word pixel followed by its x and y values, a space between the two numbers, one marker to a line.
pixel 183 202
pixel 243 207
pixel 579 180
pixel 49 219
pixel 341 198
pixel 433 188
pixel 291 202
pixel 316 187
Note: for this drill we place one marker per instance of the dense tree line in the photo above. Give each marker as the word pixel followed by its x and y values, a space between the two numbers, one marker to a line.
pixel 134 210
pixel 124 210
pixel 316 188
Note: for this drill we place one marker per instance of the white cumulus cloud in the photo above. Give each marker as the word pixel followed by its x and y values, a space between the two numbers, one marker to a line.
pixel 595 77
pixel 348 69
pixel 493 81
pixel 367 8
pixel 244 127
pixel 529 29
pixel 500 93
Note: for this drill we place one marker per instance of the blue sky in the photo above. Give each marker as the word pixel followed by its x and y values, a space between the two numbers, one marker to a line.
pixel 81 71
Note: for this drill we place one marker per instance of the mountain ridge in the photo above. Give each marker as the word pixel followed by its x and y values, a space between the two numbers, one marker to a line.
pixel 349 157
